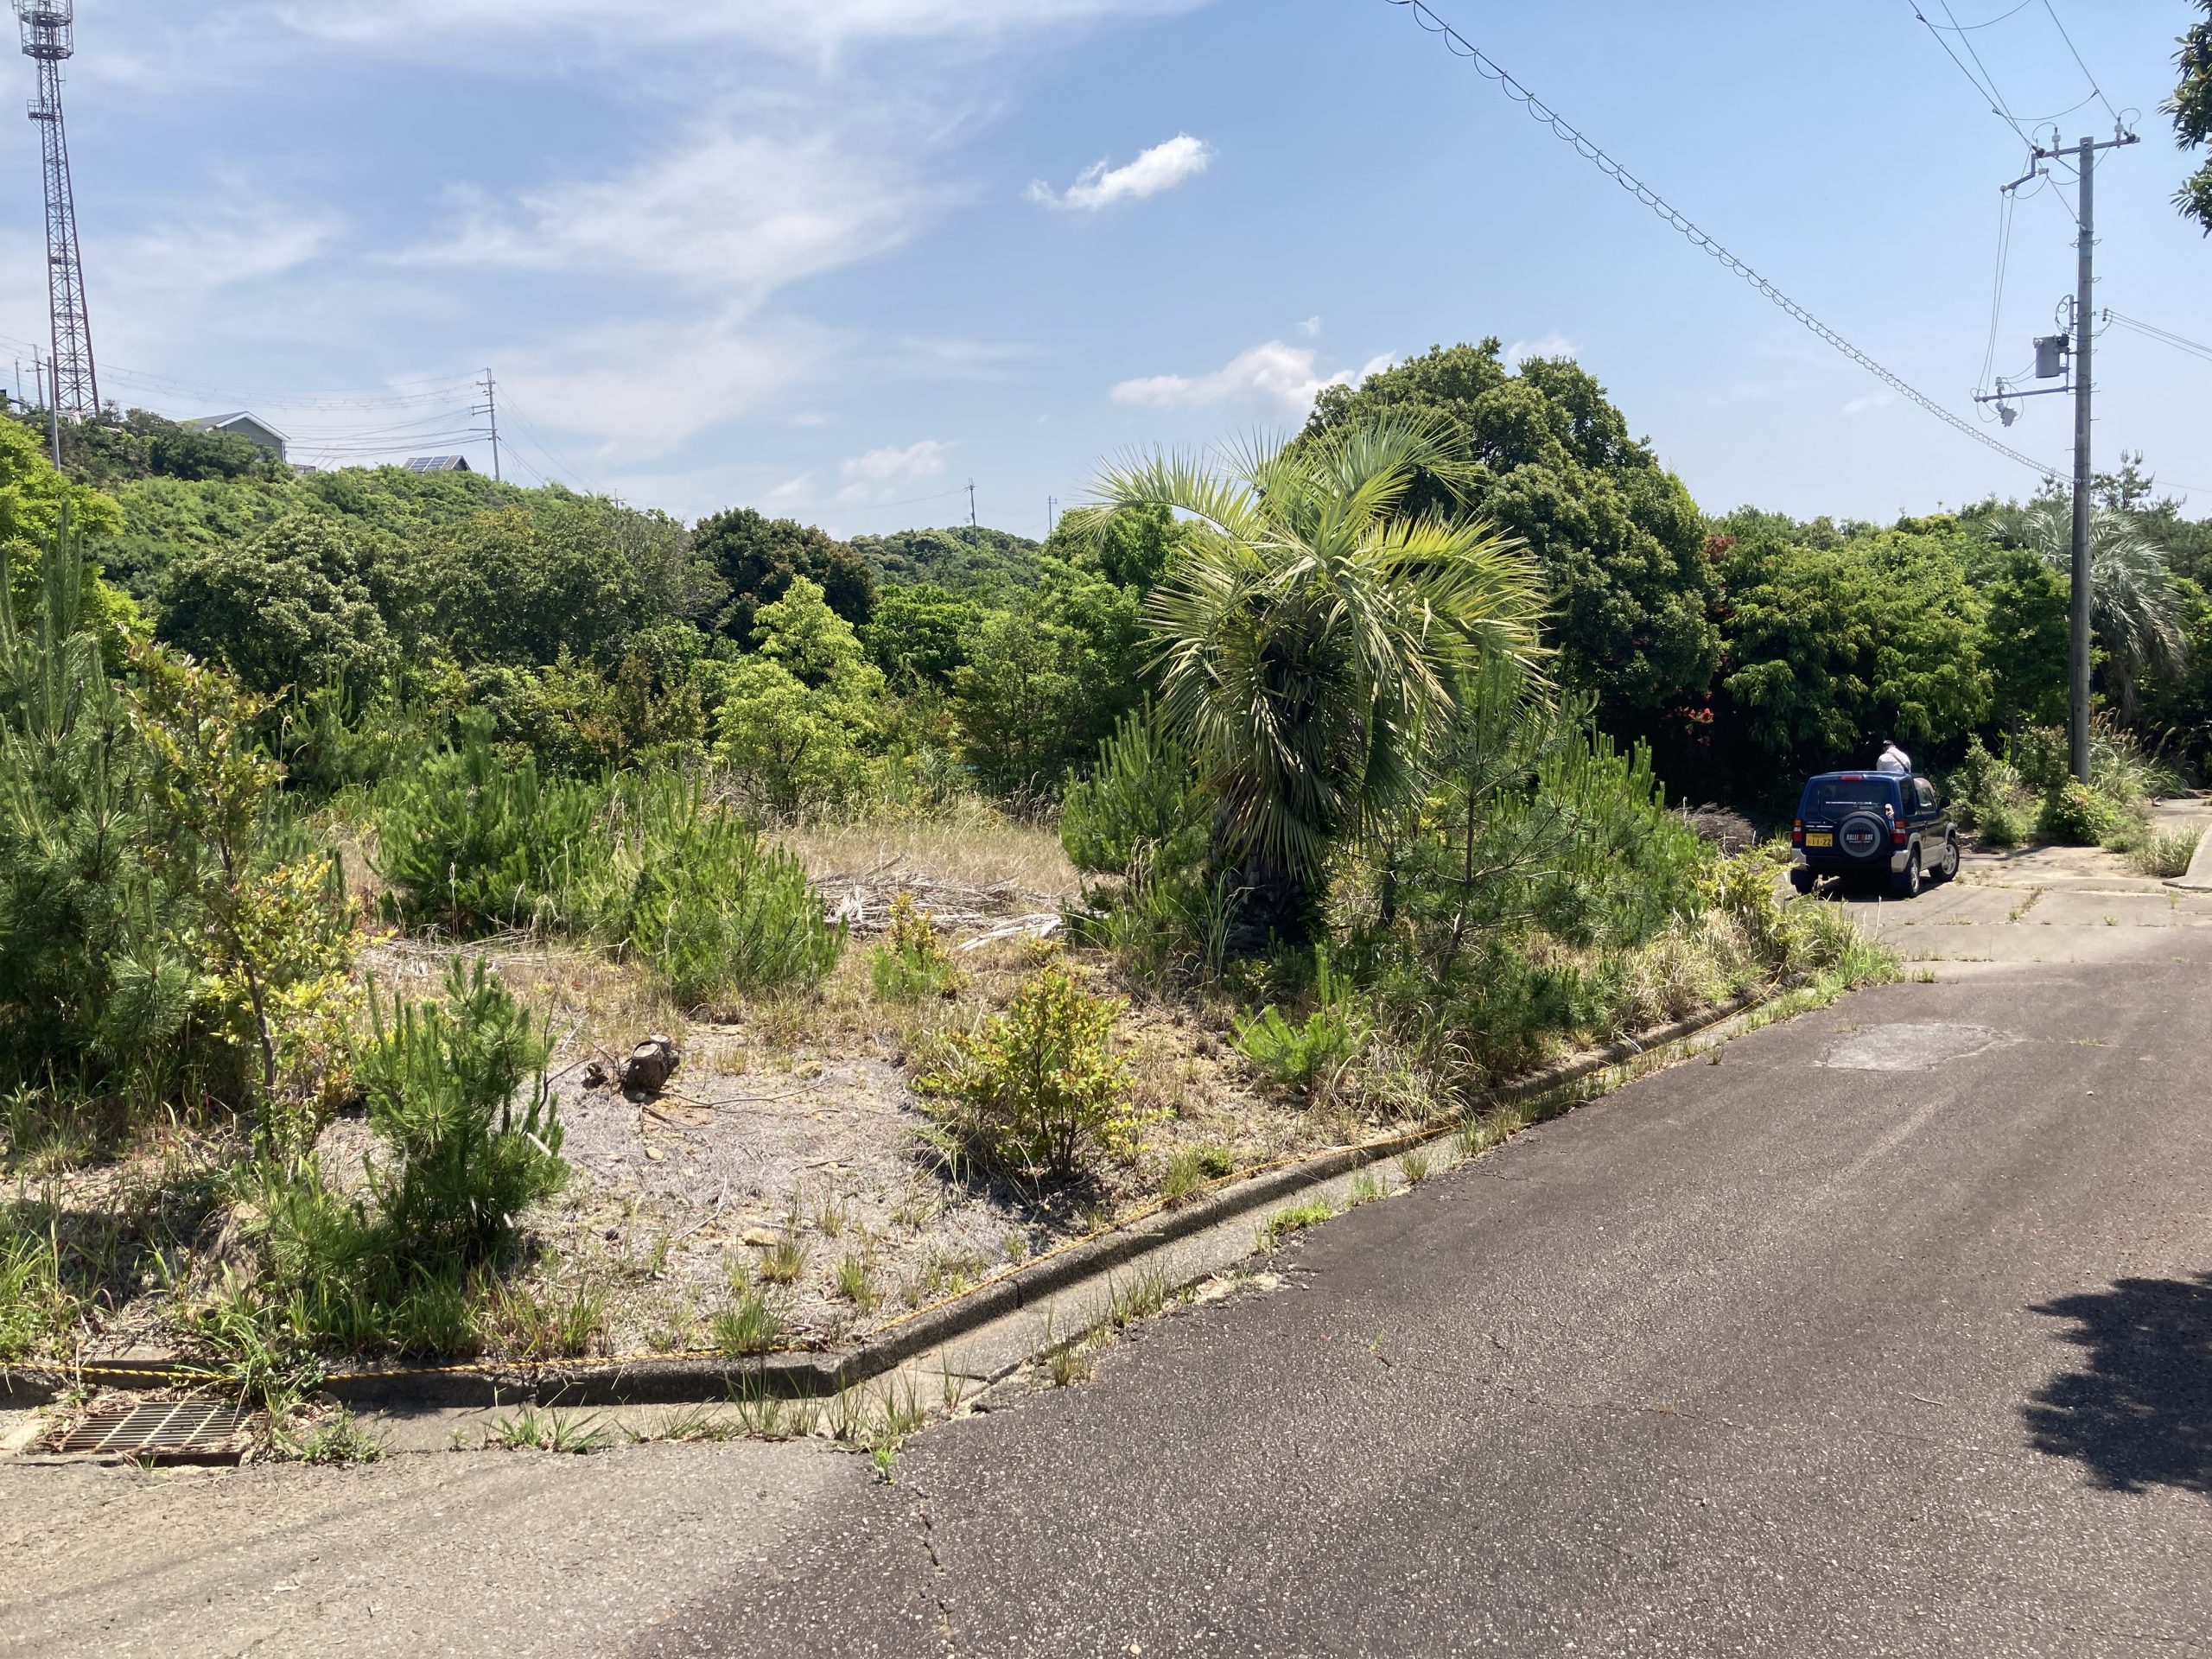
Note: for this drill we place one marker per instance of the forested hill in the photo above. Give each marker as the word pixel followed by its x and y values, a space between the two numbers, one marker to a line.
pixel 1745 648
pixel 965 560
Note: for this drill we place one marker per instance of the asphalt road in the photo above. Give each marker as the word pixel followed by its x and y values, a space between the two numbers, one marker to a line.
pixel 1889 1333
pixel 1766 1356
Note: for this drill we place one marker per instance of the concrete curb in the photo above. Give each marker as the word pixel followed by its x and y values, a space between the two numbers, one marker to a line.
pixel 796 1375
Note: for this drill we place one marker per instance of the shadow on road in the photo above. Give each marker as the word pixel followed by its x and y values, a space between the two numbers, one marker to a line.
pixel 2139 1413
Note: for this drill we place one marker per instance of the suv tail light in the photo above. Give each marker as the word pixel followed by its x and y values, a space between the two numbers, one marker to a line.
pixel 1797 832
pixel 1898 834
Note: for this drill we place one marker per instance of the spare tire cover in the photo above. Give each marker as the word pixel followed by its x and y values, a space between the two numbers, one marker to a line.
pixel 1862 834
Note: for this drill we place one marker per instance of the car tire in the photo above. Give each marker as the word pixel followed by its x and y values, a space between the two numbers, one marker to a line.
pixel 1802 880
pixel 1949 867
pixel 1905 884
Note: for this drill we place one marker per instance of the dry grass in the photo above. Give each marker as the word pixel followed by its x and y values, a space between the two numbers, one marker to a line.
pixel 971 846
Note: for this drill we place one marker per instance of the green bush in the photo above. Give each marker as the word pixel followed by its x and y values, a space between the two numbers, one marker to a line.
pixel 2004 824
pixel 2074 815
pixel 1316 1051
pixel 691 889
pixel 912 962
pixel 1140 808
pixel 440 1081
pixel 412 1265
pixel 1036 1091
pixel 476 840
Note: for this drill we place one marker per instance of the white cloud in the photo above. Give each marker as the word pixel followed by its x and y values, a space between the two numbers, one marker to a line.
pixel 743 213
pixel 1162 168
pixel 1548 346
pixel 1287 374
pixel 1310 328
pixel 876 474
pixel 1869 402
pixel 648 385
pixel 790 494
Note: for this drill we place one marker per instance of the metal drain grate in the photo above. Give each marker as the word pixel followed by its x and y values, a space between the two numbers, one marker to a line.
pixel 166 1428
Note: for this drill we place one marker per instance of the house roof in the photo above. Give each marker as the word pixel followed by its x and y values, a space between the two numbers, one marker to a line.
pixel 221 423
pixel 439 464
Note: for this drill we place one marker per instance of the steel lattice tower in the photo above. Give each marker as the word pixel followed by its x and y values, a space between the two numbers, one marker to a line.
pixel 49 36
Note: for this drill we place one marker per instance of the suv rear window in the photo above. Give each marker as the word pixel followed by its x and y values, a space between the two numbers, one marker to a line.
pixel 1824 796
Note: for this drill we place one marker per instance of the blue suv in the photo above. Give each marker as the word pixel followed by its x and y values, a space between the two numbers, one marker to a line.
pixel 1873 825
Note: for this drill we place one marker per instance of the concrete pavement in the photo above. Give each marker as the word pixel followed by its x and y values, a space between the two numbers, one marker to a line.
pixel 1890 1332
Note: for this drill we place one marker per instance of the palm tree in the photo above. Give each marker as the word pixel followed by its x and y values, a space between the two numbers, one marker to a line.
pixel 2132 603
pixel 1313 635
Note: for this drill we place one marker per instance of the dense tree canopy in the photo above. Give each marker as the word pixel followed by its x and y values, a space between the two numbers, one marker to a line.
pixel 1832 650
pixel 759 557
pixel 293 605
pixel 1616 536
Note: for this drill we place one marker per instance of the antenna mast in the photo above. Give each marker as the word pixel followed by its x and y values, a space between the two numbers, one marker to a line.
pixel 49 36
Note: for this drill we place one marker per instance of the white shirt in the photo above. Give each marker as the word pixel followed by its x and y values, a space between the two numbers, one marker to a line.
pixel 1895 761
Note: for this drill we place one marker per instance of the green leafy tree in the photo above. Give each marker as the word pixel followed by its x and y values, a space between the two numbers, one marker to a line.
pixel 291 606
pixel 795 716
pixel 973 561
pixel 1311 640
pixel 1542 455
pixel 919 637
pixel 514 587
pixel 2132 601
pixel 1130 548
pixel 758 558
pixel 1830 651
pixel 2026 640
pixel 2191 109
pixel 1046 679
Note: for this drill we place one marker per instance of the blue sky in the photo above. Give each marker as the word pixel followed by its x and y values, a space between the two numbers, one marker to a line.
pixel 837 257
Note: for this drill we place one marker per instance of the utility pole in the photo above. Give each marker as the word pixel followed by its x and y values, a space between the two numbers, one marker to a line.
pixel 491 407
pixel 971 504
pixel 1052 514
pixel 2084 156
pixel 52 414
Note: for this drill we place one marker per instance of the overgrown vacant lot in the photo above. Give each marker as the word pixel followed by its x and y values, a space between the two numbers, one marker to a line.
pixel 788 1185
pixel 353 837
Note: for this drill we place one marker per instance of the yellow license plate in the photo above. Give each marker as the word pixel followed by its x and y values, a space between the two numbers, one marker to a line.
pixel 1819 839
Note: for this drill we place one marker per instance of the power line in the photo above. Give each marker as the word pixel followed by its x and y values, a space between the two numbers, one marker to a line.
pixel 2004 204
pixel 1491 70
pixel 2082 66
pixel 2165 337
pixel 1957 27
pixel 1998 106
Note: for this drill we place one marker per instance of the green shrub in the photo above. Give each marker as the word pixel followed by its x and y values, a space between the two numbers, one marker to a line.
pixel 1036 1091
pixel 912 962
pixel 411 1266
pixel 2039 755
pixel 1316 1051
pixel 441 1082
pixel 2074 815
pixel 1986 788
pixel 2004 824
pixel 474 839
pixel 692 890
pixel 1140 808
